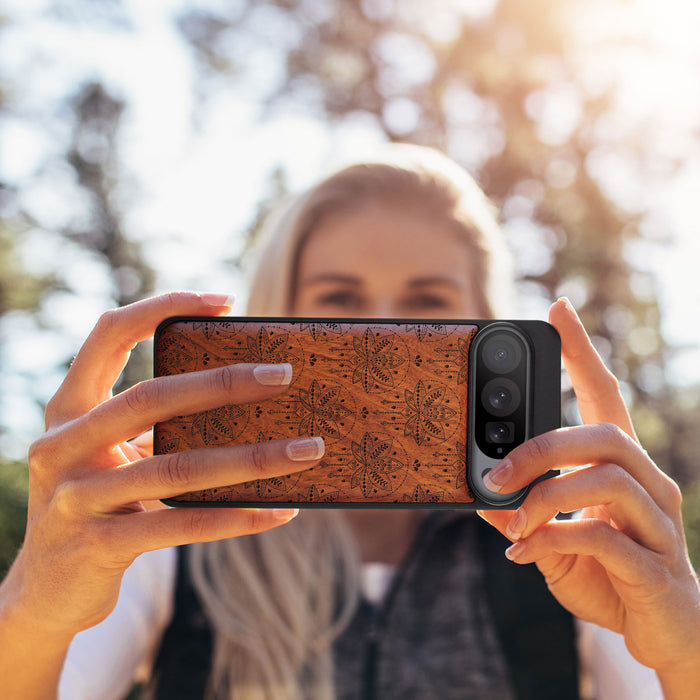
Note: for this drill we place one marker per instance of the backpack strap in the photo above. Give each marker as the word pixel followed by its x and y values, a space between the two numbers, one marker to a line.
pixel 536 633
pixel 183 664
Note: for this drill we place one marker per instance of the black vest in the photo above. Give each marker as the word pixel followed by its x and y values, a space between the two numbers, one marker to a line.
pixel 394 651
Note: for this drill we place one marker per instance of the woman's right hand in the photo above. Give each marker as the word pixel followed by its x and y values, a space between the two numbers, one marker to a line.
pixel 87 516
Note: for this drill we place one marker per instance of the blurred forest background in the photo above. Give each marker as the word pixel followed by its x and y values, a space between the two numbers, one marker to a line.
pixel 580 119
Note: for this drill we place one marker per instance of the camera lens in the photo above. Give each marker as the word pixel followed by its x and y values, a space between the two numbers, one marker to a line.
pixel 500 396
pixel 502 353
pixel 499 432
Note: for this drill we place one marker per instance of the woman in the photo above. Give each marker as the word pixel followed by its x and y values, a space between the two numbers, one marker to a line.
pixel 411 236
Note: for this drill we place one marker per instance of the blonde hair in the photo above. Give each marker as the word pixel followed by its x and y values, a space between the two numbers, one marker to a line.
pixel 277 600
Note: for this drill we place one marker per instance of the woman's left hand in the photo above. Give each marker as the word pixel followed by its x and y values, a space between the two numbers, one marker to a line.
pixel 623 564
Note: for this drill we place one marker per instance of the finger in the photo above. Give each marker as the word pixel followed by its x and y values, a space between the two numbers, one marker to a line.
pixel 579 445
pixel 143 444
pixel 614 550
pixel 130 451
pixel 102 357
pixel 606 486
pixel 142 532
pixel 170 475
pixel 497 518
pixel 138 448
pixel 154 400
pixel 596 388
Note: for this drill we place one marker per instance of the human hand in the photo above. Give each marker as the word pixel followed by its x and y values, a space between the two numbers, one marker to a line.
pixel 624 563
pixel 88 517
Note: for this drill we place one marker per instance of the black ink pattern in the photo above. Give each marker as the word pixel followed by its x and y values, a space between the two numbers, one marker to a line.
pixel 375 460
pixel 428 412
pixel 220 425
pixel 375 361
pixel 321 410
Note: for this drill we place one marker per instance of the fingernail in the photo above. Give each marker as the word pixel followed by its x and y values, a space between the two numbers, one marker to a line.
pixel 517 525
pixel 273 375
pixel 515 550
pixel 218 299
pixel 285 514
pixel 499 476
pixel 304 449
pixel 569 306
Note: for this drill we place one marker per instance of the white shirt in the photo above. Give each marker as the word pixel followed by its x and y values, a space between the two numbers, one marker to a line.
pixel 104 661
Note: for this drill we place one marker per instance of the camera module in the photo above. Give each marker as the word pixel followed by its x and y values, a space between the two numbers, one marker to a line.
pixel 501 399
pixel 514 367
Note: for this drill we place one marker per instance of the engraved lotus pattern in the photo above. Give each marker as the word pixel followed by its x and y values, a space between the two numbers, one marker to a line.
pixel 428 412
pixel 321 409
pixel 274 485
pixel 374 462
pixel 463 347
pixel 209 329
pixel 317 329
pixel 219 425
pixel 460 465
pixel 376 395
pixel 429 331
pixel 268 348
pixel 176 354
pixel 167 443
pixel 318 493
pixel 421 495
pixel 374 361
pixel 453 465
pixel 264 487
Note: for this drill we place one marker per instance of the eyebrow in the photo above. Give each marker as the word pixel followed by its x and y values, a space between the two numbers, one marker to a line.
pixel 351 280
pixel 433 281
pixel 333 277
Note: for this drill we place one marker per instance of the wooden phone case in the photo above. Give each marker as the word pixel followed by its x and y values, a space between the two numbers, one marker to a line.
pixel 389 398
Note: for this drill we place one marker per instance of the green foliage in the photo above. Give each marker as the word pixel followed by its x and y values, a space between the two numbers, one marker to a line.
pixel 691 521
pixel 18 289
pixel 14 484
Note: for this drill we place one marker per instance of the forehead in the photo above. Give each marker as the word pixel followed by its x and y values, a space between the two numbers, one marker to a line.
pixel 385 239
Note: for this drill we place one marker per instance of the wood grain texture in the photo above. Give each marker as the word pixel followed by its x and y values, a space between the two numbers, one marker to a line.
pixel 389 400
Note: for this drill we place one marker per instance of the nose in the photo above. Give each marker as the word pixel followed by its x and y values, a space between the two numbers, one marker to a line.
pixel 383 308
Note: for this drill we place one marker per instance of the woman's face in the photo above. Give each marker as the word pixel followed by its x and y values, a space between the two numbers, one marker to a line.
pixel 385 261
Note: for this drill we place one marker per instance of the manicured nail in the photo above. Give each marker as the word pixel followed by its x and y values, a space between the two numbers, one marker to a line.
pixel 517 525
pixel 499 476
pixel 285 514
pixel 304 449
pixel 273 375
pixel 515 550
pixel 569 306
pixel 218 299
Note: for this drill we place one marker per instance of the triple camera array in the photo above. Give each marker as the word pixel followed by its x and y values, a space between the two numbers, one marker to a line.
pixel 501 378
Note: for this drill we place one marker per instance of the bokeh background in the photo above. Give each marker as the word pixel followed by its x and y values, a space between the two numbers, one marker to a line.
pixel 140 142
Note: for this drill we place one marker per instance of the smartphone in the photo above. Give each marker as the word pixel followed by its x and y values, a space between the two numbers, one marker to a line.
pixel 414 413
